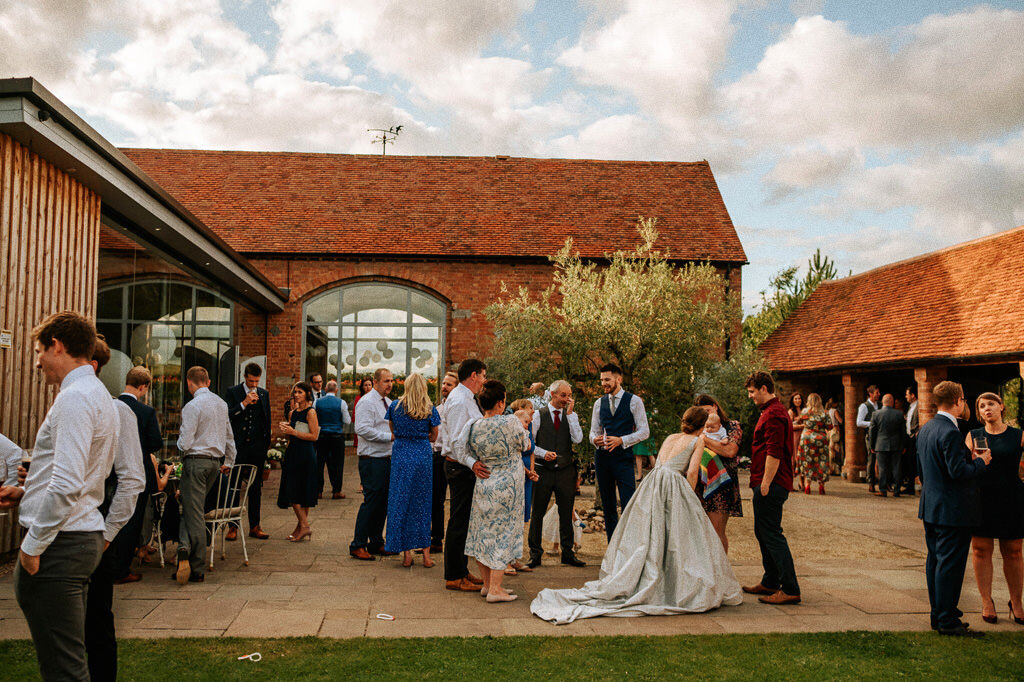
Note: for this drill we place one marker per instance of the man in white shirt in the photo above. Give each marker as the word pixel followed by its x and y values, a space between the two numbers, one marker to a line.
pixel 440 482
pixel 558 429
pixel 207 445
pixel 864 412
pixel 618 423
pixel 374 450
pixel 461 471
pixel 910 453
pixel 59 505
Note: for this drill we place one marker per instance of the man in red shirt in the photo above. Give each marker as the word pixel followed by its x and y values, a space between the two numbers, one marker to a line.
pixel 771 477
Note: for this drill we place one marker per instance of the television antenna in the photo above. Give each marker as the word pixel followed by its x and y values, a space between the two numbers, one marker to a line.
pixel 385 137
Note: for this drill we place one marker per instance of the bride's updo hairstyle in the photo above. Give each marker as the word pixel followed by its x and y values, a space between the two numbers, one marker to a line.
pixel 693 420
pixel 491 394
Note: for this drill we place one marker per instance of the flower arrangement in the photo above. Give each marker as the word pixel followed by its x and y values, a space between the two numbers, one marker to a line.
pixel 276 452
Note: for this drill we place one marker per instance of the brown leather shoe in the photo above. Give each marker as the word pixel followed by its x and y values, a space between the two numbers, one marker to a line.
pixel 257 532
pixel 232 534
pixel 758 589
pixel 361 554
pixel 338 496
pixel 462 584
pixel 473 579
pixel 130 578
pixel 779 598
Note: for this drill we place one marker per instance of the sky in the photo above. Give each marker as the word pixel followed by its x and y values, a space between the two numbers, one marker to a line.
pixel 873 130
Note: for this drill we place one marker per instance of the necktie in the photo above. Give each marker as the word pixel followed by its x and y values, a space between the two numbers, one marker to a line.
pixel 558 419
pixel 385 401
pixel 611 402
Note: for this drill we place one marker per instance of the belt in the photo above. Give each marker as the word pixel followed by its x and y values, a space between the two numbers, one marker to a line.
pixel 203 457
pixel 368 457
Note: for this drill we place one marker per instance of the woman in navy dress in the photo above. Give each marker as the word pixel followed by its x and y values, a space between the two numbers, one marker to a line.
pixel 1002 508
pixel 298 469
pixel 414 421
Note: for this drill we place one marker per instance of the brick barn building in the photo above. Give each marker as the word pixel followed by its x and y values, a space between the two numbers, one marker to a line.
pixel 951 314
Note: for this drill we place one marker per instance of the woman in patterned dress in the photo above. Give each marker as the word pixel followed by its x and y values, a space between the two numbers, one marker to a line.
pixel 414 421
pixel 796 407
pixel 812 457
pixel 495 536
pixel 725 501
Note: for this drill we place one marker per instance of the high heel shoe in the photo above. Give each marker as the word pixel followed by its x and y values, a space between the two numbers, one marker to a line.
pixel 807 488
pixel 306 532
pixel 821 488
pixel 1018 621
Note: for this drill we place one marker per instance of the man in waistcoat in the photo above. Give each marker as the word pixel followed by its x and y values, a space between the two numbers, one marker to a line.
pixel 910 454
pixel 864 412
pixel 332 415
pixel 249 412
pixel 558 428
pixel 619 422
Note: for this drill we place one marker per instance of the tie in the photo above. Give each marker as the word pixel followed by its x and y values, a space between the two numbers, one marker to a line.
pixel 611 402
pixel 558 419
pixel 385 401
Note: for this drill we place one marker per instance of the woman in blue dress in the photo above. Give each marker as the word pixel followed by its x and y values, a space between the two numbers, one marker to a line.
pixel 414 421
pixel 298 468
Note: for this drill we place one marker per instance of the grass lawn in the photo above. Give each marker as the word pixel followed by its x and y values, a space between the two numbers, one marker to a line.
pixel 816 656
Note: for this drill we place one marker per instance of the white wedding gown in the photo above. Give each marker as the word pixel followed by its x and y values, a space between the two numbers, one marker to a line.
pixel 664 558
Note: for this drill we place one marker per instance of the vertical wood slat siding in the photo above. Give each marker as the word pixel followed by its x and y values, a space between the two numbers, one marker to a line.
pixel 49 255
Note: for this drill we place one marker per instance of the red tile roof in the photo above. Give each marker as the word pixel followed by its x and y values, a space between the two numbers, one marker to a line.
pixel 444 206
pixel 958 303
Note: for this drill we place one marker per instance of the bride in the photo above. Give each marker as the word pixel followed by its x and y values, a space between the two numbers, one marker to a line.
pixel 664 557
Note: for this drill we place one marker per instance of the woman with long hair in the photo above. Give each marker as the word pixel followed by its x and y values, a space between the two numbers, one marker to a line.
pixel 298 468
pixel 414 421
pixel 812 455
pixel 725 501
pixel 835 437
pixel 1002 506
pixel 796 407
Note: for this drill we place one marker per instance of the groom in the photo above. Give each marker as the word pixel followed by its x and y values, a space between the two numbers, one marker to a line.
pixel 950 506
pixel 771 477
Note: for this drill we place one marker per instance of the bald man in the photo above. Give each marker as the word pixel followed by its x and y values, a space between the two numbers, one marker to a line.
pixel 887 437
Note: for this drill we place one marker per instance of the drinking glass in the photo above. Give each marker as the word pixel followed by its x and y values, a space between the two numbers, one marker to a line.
pixel 981 443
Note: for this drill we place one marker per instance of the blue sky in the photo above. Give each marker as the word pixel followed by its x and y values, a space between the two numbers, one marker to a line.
pixel 874 130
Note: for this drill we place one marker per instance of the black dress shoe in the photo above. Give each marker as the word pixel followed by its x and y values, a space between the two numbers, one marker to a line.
pixel 573 561
pixel 962 631
pixel 533 563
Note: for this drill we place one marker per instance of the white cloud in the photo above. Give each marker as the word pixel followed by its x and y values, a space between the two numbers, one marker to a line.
pixel 804 168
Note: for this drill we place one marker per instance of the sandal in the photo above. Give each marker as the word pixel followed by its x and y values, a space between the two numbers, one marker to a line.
pixel 521 567
pixel 510 571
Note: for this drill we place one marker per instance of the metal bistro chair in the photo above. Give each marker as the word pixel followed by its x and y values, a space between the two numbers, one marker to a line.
pixel 157 503
pixel 232 503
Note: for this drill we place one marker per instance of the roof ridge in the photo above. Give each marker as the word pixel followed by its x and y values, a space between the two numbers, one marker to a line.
pixel 924 256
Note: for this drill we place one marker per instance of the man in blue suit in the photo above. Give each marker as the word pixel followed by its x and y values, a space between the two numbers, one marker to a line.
pixel 249 412
pixel 950 507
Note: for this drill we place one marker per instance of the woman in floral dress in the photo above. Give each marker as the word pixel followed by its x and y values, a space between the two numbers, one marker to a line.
pixel 495 537
pixel 812 457
pixel 724 502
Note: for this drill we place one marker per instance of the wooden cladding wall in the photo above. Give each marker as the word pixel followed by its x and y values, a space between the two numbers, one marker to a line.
pixel 49 253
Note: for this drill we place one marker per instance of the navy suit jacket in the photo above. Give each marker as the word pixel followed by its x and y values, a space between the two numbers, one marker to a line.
pixel 949 477
pixel 149 436
pixel 234 397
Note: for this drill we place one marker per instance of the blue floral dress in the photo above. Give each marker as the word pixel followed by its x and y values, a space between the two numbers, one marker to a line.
pixel 411 487
pixel 495 536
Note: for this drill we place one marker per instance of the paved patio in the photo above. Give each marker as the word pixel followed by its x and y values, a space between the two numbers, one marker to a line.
pixel 860 561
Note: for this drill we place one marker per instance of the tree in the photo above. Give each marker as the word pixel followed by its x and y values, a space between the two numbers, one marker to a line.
pixel 784 295
pixel 664 324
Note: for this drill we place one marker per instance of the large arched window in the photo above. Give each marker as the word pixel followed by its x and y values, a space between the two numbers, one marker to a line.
pixel 166 326
pixel 352 330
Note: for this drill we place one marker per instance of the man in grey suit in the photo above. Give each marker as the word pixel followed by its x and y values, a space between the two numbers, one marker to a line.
pixel 950 507
pixel 910 453
pixel 885 438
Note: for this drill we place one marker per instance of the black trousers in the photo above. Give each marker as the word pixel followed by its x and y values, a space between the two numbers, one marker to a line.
pixel 100 639
pixel 779 571
pixel 54 602
pixel 909 471
pixel 890 467
pixel 948 547
pixel 461 482
pixel 122 549
pixel 330 452
pixel 561 483
pixel 255 453
pixel 438 495
pixel 375 475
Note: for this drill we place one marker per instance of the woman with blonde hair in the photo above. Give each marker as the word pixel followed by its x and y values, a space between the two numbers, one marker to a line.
pixel 812 456
pixel 1002 507
pixel 414 421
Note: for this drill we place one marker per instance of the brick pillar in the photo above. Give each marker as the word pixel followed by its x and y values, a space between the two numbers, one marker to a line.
pixel 926 378
pixel 853 441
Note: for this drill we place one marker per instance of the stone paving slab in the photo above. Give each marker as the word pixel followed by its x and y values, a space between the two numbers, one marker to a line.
pixel 315 588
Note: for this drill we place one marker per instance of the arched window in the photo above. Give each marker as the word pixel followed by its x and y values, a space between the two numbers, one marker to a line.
pixel 167 326
pixel 352 330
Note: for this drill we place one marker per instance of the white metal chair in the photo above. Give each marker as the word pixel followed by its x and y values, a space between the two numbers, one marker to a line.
pixel 157 503
pixel 232 503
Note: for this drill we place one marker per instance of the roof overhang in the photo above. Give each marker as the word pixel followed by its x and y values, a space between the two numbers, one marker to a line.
pixel 132 203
